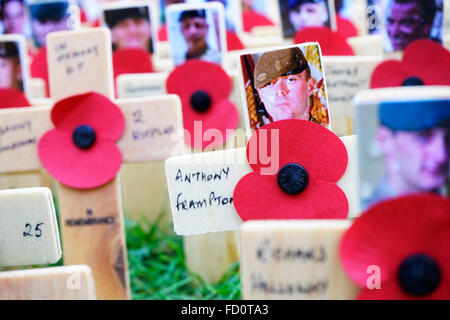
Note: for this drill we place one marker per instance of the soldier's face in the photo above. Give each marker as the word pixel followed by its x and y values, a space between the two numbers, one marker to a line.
pixel 9 73
pixel 404 24
pixel 309 15
pixel 287 97
pixel 194 31
pixel 132 33
pixel 13 17
pixel 421 159
pixel 42 28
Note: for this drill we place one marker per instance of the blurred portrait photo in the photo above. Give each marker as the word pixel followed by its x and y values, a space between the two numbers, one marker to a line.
pixel 196 32
pixel 406 152
pixel 408 20
pixel 299 14
pixel 48 17
pixel 233 13
pixel 11 66
pixel 162 8
pixel 12 16
pixel 374 16
pixel 130 24
pixel 285 84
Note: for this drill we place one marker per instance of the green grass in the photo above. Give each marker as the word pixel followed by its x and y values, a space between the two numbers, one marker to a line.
pixel 158 269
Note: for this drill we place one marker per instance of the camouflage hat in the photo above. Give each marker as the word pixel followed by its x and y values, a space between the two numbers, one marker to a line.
pixel 9 50
pixel 274 64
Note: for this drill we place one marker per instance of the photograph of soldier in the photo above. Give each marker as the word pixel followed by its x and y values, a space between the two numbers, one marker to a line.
pixel 10 66
pixel 408 20
pixel 299 14
pixel 197 33
pixel 48 17
pixel 130 26
pixel 233 14
pixel 285 84
pixel 413 139
pixel 12 16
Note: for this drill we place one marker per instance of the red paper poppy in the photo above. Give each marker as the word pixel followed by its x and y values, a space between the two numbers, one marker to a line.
pixel 162 33
pixel 331 43
pixel 312 159
pixel 12 98
pixel 253 19
pixel 424 62
pixel 233 42
pixel 127 61
pixel 204 88
pixel 407 240
pixel 81 152
pixel 345 27
pixel 39 68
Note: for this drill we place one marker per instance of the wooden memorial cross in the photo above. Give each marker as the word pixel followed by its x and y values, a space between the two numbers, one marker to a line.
pixel 29 236
pixel 151 176
pixel 91 220
pixel 294 260
pixel 201 191
pixel 345 77
pixel 221 249
pixel 102 246
pixel 213 176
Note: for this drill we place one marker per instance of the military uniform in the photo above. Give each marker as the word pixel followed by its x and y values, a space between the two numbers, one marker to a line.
pixel 208 53
pixel 285 62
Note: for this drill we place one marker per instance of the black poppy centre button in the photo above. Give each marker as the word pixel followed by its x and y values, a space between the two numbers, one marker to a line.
pixel 419 275
pixel 293 178
pixel 412 81
pixel 84 137
pixel 201 101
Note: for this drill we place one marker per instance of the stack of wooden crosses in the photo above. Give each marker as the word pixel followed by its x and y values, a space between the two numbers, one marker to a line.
pixel 248 118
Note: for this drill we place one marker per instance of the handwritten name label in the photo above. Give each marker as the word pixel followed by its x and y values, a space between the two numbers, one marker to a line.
pixel 345 77
pixel 265 286
pixel 151 127
pixel 80 61
pixel 141 85
pixel 268 252
pixel 152 133
pixel 14 127
pixel 202 176
pixel 201 190
pixel 20 131
pixel 197 177
pixel 294 260
pixel 74 58
pixel 16 145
